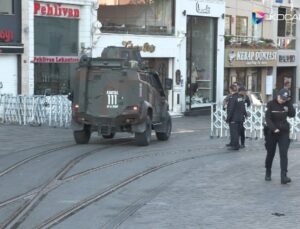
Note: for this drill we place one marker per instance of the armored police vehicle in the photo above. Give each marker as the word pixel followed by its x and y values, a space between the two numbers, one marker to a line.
pixel 117 93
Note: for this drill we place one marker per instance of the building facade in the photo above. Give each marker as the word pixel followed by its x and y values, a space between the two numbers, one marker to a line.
pixel 285 16
pixel 55 34
pixel 11 47
pixel 182 40
pixel 261 46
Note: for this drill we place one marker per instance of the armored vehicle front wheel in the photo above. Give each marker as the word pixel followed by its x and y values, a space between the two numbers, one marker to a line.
pixel 108 136
pixel 82 136
pixel 144 138
pixel 164 136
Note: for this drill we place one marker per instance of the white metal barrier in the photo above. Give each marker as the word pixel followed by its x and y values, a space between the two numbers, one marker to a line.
pixel 253 124
pixel 53 111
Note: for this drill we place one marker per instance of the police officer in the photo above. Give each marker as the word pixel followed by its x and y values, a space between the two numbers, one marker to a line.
pixel 278 131
pixel 235 115
pixel 243 93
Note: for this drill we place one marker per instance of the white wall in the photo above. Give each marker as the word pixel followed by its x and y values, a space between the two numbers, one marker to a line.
pixel 216 10
pixel 174 47
pixel 8 74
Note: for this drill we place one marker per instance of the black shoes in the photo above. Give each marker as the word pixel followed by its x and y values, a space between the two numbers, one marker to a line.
pixel 228 145
pixel 242 146
pixel 285 179
pixel 234 148
pixel 268 175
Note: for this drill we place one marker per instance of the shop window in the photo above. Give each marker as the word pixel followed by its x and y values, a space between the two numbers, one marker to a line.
pixel 254 80
pixel 241 76
pixel 53 78
pixel 201 54
pixel 249 77
pixel 137 17
pixel 6 7
pixel 54 40
pixel 241 26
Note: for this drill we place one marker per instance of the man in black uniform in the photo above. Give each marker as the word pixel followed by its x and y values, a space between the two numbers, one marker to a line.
pixel 278 132
pixel 235 115
pixel 243 93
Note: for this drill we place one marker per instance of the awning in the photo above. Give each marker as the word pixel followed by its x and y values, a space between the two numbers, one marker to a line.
pixel 11 49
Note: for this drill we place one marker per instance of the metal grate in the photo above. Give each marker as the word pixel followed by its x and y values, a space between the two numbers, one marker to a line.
pixel 253 124
pixel 53 111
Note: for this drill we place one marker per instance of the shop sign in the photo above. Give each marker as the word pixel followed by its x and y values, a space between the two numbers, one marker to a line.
pixel 6 36
pixel 56 10
pixel 146 47
pixel 287 58
pixel 11 49
pixel 248 58
pixel 202 10
pixel 55 59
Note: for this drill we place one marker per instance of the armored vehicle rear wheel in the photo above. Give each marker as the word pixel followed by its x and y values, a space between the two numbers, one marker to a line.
pixel 108 136
pixel 163 136
pixel 143 139
pixel 82 136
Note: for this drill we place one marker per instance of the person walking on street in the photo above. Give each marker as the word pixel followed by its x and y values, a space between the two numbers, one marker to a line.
pixel 277 132
pixel 243 93
pixel 235 115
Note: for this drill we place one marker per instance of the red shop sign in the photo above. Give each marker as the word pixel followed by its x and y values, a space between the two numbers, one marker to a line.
pixel 56 59
pixel 6 36
pixel 56 10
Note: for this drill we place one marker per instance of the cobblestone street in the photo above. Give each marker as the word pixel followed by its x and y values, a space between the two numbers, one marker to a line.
pixel 216 188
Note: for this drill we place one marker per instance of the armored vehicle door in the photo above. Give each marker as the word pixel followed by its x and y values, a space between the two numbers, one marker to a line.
pixel 110 89
pixel 158 96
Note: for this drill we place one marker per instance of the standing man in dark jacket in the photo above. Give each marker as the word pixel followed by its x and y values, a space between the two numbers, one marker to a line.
pixel 243 93
pixel 278 132
pixel 235 115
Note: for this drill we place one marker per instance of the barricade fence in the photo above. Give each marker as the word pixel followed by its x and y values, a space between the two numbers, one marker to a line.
pixel 54 111
pixel 253 123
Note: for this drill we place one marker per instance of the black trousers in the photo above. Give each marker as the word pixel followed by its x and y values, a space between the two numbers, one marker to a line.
pixel 242 128
pixel 234 128
pixel 283 141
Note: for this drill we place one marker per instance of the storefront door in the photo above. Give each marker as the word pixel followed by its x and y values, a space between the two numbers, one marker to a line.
pixel 201 59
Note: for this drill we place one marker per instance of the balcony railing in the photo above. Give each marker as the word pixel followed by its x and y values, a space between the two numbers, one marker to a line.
pixel 256 42
pixel 249 42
